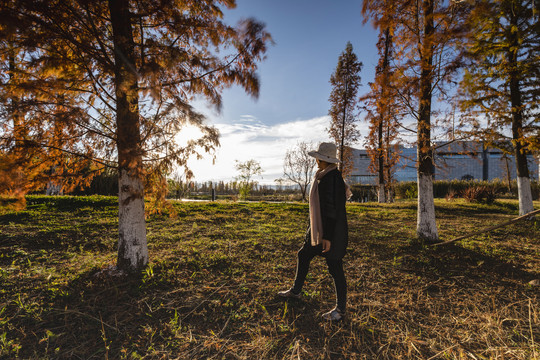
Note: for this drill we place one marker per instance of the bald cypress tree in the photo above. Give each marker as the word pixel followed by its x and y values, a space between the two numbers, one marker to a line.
pixel 115 79
pixel 501 81
pixel 424 36
pixel 343 101
pixel 382 102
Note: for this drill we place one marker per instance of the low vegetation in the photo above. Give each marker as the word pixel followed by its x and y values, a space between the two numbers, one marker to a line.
pixel 472 190
pixel 210 289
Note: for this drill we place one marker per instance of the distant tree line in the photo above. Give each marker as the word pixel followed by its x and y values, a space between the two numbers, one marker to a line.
pixel 106 183
pixel 231 189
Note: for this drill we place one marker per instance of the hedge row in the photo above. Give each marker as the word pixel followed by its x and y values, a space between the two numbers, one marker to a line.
pixel 458 188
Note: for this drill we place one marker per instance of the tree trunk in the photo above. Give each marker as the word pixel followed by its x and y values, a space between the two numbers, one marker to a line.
pixel 382 180
pixel 381 194
pixel 389 194
pixel 522 169
pixel 342 145
pixel 426 227
pixel 523 180
pixel 303 189
pixel 508 176
pixel 132 246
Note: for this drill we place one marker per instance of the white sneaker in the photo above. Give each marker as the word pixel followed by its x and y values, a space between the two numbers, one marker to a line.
pixel 333 315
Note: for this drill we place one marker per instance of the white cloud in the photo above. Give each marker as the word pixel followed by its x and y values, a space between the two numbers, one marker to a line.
pixel 250 139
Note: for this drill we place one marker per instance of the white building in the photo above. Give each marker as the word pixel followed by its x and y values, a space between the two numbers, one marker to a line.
pixel 463 160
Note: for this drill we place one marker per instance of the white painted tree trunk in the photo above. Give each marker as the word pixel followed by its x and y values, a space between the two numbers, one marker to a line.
pixel 390 196
pixel 525 195
pixel 132 247
pixel 381 194
pixel 54 189
pixel 426 227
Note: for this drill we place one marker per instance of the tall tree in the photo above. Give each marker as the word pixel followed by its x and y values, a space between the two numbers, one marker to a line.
pixel 128 70
pixel 382 105
pixel 299 167
pixel 501 80
pixel 425 33
pixel 343 99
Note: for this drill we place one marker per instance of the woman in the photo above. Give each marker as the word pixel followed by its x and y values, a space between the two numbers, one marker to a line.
pixel 327 234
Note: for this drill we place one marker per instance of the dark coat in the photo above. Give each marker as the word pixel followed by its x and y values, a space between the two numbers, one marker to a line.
pixel 332 200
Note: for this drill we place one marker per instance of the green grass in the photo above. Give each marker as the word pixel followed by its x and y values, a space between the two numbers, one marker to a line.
pixel 209 291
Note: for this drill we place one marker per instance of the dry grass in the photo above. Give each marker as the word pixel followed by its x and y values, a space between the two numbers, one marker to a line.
pixel 209 292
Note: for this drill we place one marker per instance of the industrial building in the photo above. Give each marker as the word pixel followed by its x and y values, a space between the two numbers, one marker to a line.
pixel 460 160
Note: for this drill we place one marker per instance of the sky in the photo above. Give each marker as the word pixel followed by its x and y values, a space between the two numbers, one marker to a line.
pixel 309 36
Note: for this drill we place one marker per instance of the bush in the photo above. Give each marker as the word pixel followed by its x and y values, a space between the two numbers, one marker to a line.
pixel 481 194
pixel 105 183
pixel 535 189
pixel 451 189
pixel 405 189
pixel 451 195
pixel 411 193
pixel 511 191
pixel 363 193
pixel 441 188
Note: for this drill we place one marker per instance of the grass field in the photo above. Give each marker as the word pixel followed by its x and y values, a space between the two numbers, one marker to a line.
pixel 210 289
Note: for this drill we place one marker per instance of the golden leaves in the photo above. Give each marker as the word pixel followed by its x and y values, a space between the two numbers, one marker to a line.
pixel 64 83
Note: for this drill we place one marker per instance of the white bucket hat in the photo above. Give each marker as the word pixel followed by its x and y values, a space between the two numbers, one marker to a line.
pixel 326 152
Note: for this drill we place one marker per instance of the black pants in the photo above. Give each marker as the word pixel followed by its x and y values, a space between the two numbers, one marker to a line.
pixel 335 268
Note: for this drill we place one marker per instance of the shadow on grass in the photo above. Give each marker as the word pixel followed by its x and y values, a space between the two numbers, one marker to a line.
pixel 50 246
pixel 70 203
pixel 90 318
pixel 466 209
pixel 35 236
pixel 14 217
pixel 195 312
pixel 453 260
pixel 165 310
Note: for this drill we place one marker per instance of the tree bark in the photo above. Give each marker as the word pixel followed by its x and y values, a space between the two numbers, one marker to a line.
pixel 426 228
pixel 381 194
pixel 303 189
pixel 342 145
pixel 132 245
pixel 523 180
pixel 382 180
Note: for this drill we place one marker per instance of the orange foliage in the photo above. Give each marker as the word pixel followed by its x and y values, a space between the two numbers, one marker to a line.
pixel 59 84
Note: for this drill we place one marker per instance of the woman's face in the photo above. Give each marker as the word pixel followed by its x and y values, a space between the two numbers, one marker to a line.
pixel 322 164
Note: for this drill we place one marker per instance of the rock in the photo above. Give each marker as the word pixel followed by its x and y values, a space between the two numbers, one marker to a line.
pixel 110 272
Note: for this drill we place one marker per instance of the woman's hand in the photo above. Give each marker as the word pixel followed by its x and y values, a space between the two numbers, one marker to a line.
pixel 326 245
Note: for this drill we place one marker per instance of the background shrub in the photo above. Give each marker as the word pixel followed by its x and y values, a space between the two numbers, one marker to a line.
pixel 450 189
pixel 105 183
pixel 404 189
pixel 363 193
pixel 482 194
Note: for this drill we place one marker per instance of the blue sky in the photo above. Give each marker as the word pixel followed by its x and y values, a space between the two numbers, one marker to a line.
pixel 309 36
